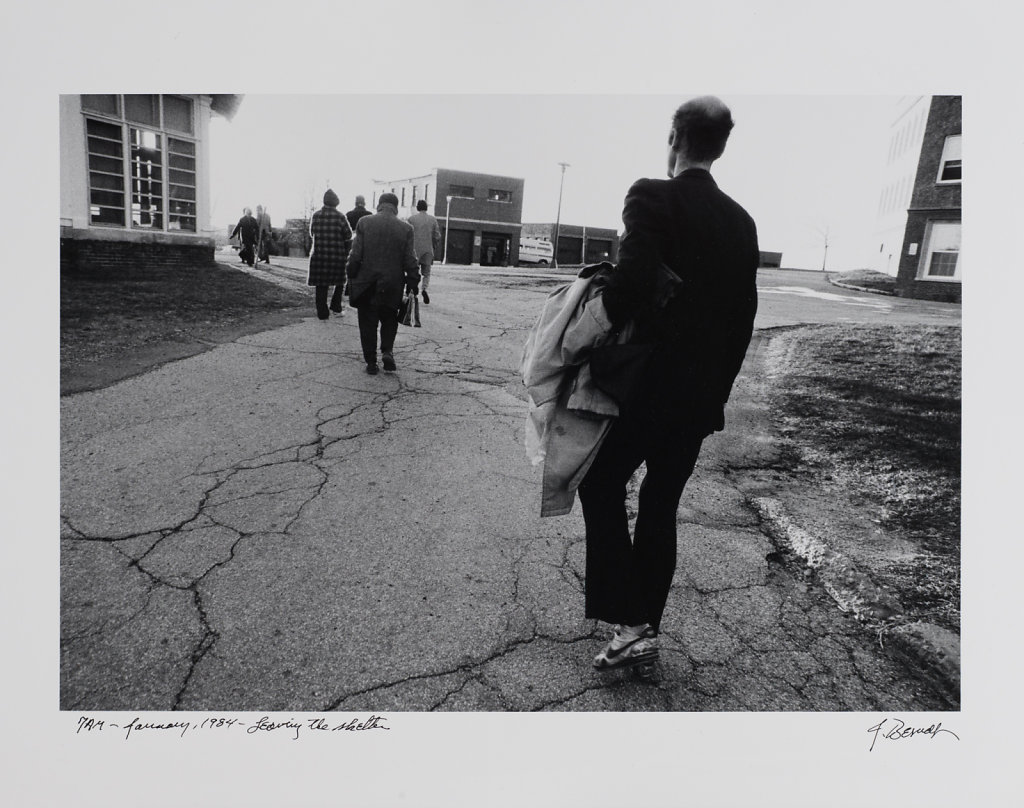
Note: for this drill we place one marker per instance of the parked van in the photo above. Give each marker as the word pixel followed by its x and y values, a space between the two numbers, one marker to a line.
pixel 536 251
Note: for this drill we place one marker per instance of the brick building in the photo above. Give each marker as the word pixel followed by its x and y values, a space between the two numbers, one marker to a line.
pixel 134 179
pixel 920 206
pixel 578 244
pixel 483 211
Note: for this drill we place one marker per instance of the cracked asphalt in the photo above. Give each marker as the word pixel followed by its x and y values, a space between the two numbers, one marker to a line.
pixel 265 527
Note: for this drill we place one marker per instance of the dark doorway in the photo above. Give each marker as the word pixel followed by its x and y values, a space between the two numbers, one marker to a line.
pixel 460 247
pixel 570 249
pixel 598 250
pixel 494 250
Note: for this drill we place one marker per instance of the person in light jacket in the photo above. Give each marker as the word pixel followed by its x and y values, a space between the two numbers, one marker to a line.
pixel 381 267
pixel 332 241
pixel 428 236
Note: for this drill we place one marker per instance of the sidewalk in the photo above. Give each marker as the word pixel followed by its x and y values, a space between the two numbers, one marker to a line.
pixel 265 527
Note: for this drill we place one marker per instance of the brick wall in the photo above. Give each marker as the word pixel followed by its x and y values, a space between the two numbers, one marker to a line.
pixel 907 282
pixel 77 253
pixel 944 119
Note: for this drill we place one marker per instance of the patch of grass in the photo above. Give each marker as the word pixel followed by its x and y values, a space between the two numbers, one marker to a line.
pixel 120 313
pixel 878 409
pixel 868 279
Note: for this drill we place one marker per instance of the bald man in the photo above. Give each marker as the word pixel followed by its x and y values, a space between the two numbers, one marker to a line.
pixel 358 212
pixel 686 277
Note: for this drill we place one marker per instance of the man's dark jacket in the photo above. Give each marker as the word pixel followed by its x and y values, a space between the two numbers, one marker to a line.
pixel 701 334
pixel 382 262
pixel 248 228
pixel 355 215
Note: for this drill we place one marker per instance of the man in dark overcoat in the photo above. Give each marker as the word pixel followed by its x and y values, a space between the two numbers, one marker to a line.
pixel 247 230
pixel 685 226
pixel 332 240
pixel 266 235
pixel 381 267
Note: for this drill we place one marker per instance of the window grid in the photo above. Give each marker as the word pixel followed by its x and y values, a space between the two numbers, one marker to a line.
pixel 943 264
pixel 158 169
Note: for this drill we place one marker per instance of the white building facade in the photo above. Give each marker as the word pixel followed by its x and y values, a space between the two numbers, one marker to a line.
pixel 905 140
pixel 134 174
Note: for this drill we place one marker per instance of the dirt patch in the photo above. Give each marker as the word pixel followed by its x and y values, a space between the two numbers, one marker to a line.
pixel 118 323
pixel 871 418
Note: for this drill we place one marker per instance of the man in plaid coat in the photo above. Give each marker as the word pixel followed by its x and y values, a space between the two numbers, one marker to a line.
pixel 332 240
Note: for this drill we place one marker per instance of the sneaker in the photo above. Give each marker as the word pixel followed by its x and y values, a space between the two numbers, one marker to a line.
pixel 389 362
pixel 426 297
pixel 372 369
pixel 629 645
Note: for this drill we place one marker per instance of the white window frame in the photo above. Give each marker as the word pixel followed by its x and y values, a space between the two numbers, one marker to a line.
pixel 951 151
pixel 165 136
pixel 927 251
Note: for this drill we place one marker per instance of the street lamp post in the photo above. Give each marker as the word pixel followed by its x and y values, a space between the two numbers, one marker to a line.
pixel 558 216
pixel 447 218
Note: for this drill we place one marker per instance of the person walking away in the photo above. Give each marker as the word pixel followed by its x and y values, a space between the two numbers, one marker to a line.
pixel 427 235
pixel 332 241
pixel 265 235
pixel 358 212
pixel 381 267
pixel 699 339
pixel 247 231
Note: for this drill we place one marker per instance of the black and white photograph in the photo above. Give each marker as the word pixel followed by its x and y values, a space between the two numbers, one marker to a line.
pixel 597 432
pixel 290 511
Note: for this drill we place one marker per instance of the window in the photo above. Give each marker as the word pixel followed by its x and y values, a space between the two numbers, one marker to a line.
pixel 415 192
pixel 495 195
pixel 147 178
pixel 107 104
pixel 144 109
pixel 403 196
pixel 950 164
pixel 940 258
pixel 178 114
pixel 106 173
pixel 139 175
pixel 181 188
pixel 461 190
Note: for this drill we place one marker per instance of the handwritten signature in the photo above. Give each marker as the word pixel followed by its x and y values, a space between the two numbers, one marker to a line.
pixel 264 724
pixel 900 731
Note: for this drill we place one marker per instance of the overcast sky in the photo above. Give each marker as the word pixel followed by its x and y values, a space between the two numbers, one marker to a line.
pixel 801 165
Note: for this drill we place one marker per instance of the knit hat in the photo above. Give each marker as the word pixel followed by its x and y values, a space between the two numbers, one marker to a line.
pixel 331 198
pixel 387 199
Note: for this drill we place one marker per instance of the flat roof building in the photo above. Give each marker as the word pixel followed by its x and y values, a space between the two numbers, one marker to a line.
pixel 480 215
pixel 578 244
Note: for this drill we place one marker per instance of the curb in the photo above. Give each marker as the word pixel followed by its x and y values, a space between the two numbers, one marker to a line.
pixel 935 651
pixel 855 288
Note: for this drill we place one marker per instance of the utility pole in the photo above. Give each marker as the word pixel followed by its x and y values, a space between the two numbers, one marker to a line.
pixel 558 216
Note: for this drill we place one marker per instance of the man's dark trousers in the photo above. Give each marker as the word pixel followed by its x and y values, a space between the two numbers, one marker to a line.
pixel 628 582
pixel 370 317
